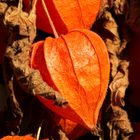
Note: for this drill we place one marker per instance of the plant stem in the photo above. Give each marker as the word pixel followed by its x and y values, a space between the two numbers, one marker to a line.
pixel 50 20
pixel 34 5
pixel 38 133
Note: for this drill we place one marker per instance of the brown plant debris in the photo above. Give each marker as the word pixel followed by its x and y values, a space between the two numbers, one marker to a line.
pixel 118 6
pixel 113 16
pixel 10 112
pixel 119 66
pixel 22 31
pixel 119 124
pixel 115 36
pixel 119 84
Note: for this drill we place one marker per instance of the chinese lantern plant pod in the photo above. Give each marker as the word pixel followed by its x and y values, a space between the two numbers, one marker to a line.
pixel 18 138
pixel 76 65
pixel 66 15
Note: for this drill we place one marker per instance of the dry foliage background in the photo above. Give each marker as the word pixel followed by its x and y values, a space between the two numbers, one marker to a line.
pixel 21 113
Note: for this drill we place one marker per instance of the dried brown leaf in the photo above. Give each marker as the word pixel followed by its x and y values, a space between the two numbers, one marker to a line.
pixel 112 41
pixel 22 32
pixel 119 124
pixel 119 84
pixel 116 40
pixel 120 6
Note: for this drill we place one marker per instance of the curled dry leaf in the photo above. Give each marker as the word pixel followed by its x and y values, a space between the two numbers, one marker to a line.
pixel 22 21
pixel 119 84
pixel 120 6
pixel 22 31
pixel 15 114
pixel 119 124
pixel 104 5
pixel 111 37
pixel 119 68
pixel 72 64
pixel 66 15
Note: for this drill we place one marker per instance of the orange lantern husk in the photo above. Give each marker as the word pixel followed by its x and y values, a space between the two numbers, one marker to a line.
pixel 76 65
pixel 66 15
pixel 27 137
